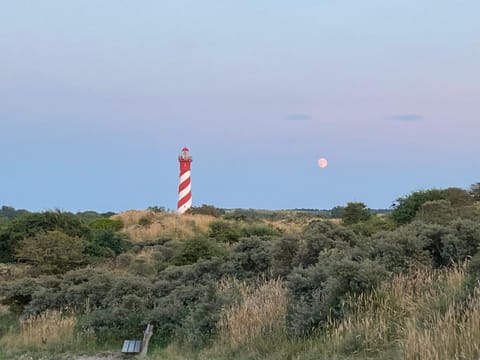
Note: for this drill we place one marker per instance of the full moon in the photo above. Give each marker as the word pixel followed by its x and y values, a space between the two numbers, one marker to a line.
pixel 322 162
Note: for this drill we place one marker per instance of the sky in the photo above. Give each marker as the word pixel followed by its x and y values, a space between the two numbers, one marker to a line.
pixel 97 98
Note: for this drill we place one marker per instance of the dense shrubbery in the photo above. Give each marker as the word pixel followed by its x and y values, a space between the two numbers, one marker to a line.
pixel 176 284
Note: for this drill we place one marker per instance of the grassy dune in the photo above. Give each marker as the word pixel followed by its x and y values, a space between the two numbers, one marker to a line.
pixel 161 224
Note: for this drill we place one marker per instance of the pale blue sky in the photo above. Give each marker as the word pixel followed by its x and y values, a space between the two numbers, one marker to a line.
pixel 98 97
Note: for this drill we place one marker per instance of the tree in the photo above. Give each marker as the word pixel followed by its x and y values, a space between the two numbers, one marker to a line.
pixel 475 191
pixel 337 212
pixel 30 224
pixel 405 208
pixel 458 197
pixel 53 252
pixel 436 212
pixel 355 212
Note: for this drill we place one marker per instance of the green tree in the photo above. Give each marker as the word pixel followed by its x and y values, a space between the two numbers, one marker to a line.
pixel 475 191
pixel 405 208
pixel 30 224
pixel 337 212
pixel 53 252
pixel 436 212
pixel 355 212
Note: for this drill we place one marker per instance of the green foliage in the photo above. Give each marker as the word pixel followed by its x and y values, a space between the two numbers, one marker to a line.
pixel 355 212
pixel 197 248
pixel 8 213
pixel 403 248
pixel 250 257
pixel 436 212
pixel 208 210
pixel 319 236
pixel 258 229
pixel 107 243
pixel 457 197
pixel 317 292
pixel 18 294
pixel 144 221
pixel 459 241
pixel 373 225
pixel 30 224
pixel 284 252
pixel 337 212
pixel 53 252
pixel 475 191
pixel 156 209
pixel 88 217
pixel 224 231
pixel 406 208
pixel 106 224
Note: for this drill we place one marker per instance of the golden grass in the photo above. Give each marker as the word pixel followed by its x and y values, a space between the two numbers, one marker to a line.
pixel 415 313
pixel 261 311
pixel 454 334
pixel 50 327
pixel 162 224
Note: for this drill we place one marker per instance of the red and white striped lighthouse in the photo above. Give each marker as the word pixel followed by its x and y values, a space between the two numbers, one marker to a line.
pixel 184 189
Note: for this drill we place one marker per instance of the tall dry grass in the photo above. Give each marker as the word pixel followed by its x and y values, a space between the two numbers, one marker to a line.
pixel 50 327
pixel 162 224
pixel 453 334
pixel 260 312
pixel 417 314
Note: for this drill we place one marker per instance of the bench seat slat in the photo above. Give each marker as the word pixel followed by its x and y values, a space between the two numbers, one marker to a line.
pixel 131 346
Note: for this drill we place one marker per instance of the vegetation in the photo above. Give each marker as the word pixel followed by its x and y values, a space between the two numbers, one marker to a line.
pixel 247 284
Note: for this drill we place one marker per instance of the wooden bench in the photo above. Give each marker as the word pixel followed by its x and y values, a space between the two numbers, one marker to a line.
pixel 140 347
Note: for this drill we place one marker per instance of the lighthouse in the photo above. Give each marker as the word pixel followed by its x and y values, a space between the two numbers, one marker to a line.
pixel 184 188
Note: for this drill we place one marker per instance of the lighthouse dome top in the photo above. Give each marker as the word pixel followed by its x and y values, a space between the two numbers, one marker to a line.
pixel 185 155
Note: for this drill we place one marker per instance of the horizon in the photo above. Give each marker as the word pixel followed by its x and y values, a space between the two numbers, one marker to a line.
pixel 97 99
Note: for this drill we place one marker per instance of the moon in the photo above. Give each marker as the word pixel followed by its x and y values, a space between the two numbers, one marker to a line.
pixel 322 162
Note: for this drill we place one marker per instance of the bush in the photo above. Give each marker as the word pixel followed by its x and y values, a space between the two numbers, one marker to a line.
pixel 317 293
pixel 284 252
pixel 223 231
pixel 404 248
pixel 319 236
pixel 144 221
pixel 107 243
pixel 53 252
pixel 31 224
pixel 250 257
pixel 106 224
pixel 195 249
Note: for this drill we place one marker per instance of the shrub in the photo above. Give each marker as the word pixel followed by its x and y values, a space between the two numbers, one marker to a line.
pixel 355 212
pixel 223 231
pixel 144 221
pixel 284 252
pixel 30 224
pixel 412 245
pixel 316 293
pixel 107 243
pixel 106 224
pixel 53 252
pixel 195 249
pixel 250 257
